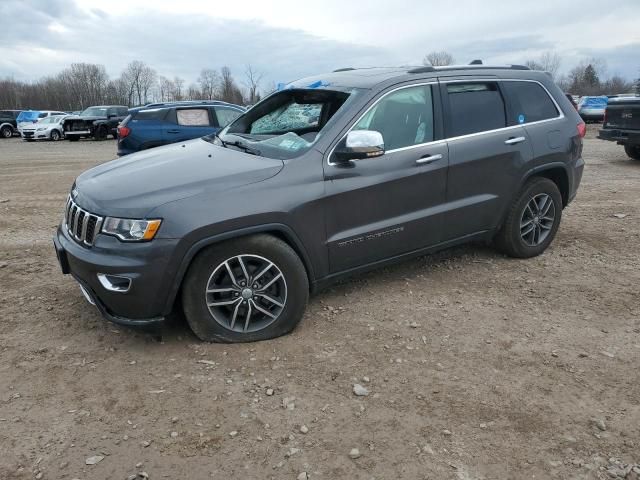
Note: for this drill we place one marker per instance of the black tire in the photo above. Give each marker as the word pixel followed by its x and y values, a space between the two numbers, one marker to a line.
pixel 73 138
pixel 633 151
pixel 55 135
pixel 100 133
pixel 6 132
pixel 511 239
pixel 203 269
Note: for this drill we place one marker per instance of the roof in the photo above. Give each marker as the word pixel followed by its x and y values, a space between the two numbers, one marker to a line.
pixel 370 77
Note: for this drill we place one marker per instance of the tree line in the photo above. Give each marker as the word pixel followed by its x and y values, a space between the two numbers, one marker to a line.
pixel 84 84
pixel 589 77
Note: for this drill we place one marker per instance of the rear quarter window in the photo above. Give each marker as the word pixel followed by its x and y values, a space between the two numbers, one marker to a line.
pixel 474 107
pixel 530 102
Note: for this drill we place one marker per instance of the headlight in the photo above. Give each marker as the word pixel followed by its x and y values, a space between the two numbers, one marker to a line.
pixel 131 230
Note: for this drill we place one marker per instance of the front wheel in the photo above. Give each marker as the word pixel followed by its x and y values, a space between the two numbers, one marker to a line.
pixel 100 133
pixel 245 290
pixel 6 132
pixel 532 220
pixel 633 151
pixel 55 135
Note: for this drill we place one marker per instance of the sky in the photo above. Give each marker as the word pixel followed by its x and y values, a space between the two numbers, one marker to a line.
pixel 289 39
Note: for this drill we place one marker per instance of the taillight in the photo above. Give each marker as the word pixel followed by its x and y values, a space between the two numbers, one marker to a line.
pixel 123 131
pixel 582 129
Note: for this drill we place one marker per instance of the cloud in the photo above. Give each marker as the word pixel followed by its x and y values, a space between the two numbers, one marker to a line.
pixel 41 37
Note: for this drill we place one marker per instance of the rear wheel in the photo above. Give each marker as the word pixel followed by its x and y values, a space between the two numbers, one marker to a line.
pixel 6 132
pixel 73 138
pixel 245 290
pixel 633 151
pixel 532 220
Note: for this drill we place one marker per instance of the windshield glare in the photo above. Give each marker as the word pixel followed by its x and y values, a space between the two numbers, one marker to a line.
pixel 94 112
pixel 288 123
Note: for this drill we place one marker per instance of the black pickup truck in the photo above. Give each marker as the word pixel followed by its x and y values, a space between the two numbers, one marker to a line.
pixel 622 124
pixel 95 122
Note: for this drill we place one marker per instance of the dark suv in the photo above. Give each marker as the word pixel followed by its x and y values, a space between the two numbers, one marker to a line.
pixel 8 123
pixel 163 123
pixel 328 177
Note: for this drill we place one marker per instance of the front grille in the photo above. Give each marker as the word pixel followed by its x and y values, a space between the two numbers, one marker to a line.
pixel 81 225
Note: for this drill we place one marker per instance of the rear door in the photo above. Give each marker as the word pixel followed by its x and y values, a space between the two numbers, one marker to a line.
pixel 486 155
pixel 381 207
pixel 185 123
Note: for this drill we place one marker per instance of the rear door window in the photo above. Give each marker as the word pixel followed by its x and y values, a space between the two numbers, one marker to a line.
pixel 474 107
pixel 193 117
pixel 529 102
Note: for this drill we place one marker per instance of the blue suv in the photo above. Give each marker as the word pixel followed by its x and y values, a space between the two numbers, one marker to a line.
pixel 163 123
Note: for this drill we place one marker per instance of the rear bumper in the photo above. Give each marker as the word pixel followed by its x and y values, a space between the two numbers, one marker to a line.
pixel 145 264
pixel 623 137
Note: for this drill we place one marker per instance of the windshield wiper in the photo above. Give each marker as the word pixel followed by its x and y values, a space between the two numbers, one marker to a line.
pixel 244 147
pixel 222 142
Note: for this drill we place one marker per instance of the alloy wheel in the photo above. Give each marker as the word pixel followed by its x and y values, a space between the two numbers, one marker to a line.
pixel 537 220
pixel 246 293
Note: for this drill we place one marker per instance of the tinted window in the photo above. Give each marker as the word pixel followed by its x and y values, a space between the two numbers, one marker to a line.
pixel 475 107
pixel 226 115
pixel 530 102
pixel 122 111
pixel 193 117
pixel 404 118
pixel 154 114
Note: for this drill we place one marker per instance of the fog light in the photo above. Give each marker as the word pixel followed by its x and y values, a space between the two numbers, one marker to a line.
pixel 115 283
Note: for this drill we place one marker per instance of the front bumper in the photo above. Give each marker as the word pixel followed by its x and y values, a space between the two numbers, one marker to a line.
pixel 146 264
pixel 621 136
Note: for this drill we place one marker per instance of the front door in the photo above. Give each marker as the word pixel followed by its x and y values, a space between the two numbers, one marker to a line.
pixel 381 207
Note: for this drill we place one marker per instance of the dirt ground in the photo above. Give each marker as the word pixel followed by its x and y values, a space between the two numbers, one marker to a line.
pixel 478 366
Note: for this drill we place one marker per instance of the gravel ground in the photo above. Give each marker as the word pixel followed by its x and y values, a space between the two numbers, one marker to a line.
pixel 475 365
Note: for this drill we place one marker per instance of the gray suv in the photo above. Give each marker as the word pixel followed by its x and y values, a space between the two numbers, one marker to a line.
pixel 328 177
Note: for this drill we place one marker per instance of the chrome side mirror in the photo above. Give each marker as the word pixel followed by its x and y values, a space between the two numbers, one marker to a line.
pixel 359 144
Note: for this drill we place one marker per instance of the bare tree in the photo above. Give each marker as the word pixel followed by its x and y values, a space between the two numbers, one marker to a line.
pixel 229 91
pixel 209 81
pixel 438 59
pixel 547 62
pixel 178 84
pixel 252 83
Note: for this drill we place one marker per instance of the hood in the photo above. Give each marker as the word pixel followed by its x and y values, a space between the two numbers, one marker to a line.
pixel 134 185
pixel 91 118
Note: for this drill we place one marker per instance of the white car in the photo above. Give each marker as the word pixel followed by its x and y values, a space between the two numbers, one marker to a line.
pixel 48 128
pixel 28 118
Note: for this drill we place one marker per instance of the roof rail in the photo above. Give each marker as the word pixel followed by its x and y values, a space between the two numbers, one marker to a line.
pixel 425 69
pixel 476 62
pixel 345 69
pixel 519 67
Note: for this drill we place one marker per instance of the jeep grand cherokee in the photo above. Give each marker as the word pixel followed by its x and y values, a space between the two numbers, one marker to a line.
pixel 328 177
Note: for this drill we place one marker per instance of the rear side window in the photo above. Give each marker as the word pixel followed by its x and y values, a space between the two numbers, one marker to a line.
pixel 530 102
pixel 122 111
pixel 155 114
pixel 226 115
pixel 475 107
pixel 194 117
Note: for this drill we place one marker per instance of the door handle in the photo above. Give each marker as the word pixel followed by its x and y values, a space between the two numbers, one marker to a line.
pixel 173 131
pixel 514 140
pixel 426 159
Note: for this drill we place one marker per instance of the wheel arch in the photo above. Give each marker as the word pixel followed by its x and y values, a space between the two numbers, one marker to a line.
pixel 281 231
pixel 557 173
